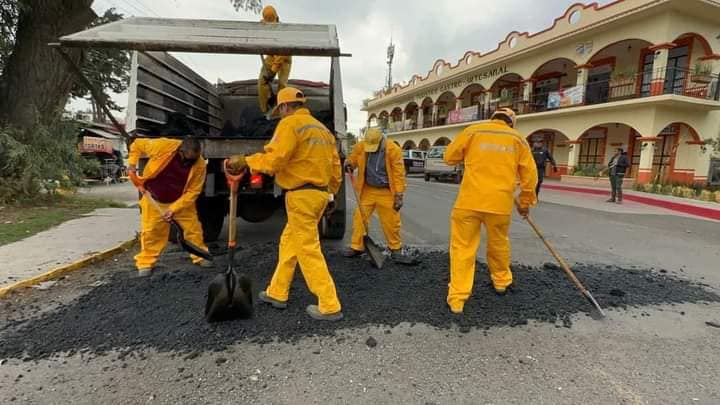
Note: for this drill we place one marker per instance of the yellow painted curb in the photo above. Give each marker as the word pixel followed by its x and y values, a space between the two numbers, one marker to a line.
pixel 60 271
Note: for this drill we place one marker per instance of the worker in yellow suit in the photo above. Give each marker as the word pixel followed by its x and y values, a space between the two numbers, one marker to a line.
pixel 380 185
pixel 174 176
pixel 273 65
pixel 494 156
pixel 303 157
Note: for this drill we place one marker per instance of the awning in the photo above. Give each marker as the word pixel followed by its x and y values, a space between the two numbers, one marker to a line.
pixel 210 36
pixel 101 133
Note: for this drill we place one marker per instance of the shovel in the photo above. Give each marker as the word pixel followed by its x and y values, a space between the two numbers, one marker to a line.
pixel 374 252
pixel 563 264
pixel 230 295
pixel 184 244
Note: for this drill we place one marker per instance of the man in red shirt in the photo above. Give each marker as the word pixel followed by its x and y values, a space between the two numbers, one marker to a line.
pixel 174 175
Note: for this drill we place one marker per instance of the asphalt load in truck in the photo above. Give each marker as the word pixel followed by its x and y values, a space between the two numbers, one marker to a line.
pixel 105 308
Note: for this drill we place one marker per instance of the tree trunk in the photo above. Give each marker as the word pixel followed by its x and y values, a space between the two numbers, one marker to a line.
pixel 36 82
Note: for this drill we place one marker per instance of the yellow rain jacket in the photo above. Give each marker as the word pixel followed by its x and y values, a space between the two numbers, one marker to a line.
pixel 160 152
pixel 494 155
pixel 302 151
pixel 393 162
pixel 154 230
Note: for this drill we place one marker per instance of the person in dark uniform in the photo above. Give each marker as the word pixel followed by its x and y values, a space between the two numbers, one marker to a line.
pixel 616 171
pixel 542 156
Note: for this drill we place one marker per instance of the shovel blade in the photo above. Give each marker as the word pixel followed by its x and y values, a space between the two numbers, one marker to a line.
pixel 189 246
pixel 230 296
pixel 374 252
pixel 594 303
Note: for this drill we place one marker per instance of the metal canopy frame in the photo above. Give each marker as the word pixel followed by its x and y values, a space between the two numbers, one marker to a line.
pixel 209 36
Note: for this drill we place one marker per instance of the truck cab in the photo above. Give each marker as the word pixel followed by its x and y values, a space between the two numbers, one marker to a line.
pixel 168 99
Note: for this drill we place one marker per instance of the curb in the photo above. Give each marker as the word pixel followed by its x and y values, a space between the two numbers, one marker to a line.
pixel 62 270
pixel 708 213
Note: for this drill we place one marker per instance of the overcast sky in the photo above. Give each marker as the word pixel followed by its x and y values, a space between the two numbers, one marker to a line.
pixel 423 31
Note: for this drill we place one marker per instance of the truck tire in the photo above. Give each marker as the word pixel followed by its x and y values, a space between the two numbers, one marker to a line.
pixel 256 209
pixel 427 177
pixel 211 212
pixel 334 227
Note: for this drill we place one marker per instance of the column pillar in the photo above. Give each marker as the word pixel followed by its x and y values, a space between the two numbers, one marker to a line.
pixel 458 103
pixel 702 161
pixel 433 121
pixel 647 154
pixel 573 155
pixel 420 117
pixel 714 61
pixel 486 104
pixel 403 117
pixel 661 52
pixel 528 86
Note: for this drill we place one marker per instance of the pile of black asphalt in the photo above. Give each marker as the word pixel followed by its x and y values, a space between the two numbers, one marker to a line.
pixel 165 312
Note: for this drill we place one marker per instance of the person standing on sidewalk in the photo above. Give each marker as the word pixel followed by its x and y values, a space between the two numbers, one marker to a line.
pixel 616 171
pixel 304 158
pixel 495 156
pixel 542 156
pixel 174 175
pixel 380 185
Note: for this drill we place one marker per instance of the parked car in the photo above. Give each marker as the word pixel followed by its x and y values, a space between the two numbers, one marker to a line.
pixel 414 161
pixel 435 166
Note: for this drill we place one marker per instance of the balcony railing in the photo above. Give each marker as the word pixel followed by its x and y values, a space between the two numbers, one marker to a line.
pixel 634 86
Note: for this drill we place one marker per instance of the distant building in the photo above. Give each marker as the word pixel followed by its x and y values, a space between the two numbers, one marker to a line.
pixel 640 74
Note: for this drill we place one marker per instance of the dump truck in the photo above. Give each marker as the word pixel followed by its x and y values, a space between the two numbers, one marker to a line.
pixel 168 98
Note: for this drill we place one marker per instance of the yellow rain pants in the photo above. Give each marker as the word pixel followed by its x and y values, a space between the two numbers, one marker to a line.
pixel 274 65
pixel 464 241
pixel 300 244
pixel 382 200
pixel 155 231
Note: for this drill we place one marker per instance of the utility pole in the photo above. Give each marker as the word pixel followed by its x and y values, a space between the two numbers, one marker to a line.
pixel 390 57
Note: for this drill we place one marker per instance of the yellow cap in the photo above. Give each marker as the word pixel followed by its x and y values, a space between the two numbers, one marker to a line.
pixel 288 95
pixel 373 136
pixel 507 112
pixel 270 15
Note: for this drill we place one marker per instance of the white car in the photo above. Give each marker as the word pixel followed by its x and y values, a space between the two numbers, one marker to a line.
pixel 414 161
pixel 435 166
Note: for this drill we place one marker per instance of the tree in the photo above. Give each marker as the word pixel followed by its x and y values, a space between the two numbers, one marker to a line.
pixel 35 82
pixel 248 5
pixel 107 69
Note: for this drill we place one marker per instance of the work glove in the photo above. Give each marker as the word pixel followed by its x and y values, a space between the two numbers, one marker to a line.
pixel 134 178
pixel 236 165
pixel 523 211
pixel 527 198
pixel 398 203
pixel 331 207
pixel 349 167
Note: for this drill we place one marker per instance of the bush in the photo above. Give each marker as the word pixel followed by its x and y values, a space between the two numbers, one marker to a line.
pixel 36 157
pixel 90 168
pixel 587 170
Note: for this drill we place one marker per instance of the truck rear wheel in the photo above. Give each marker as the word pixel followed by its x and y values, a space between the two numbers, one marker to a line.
pixel 427 177
pixel 334 227
pixel 257 208
pixel 211 211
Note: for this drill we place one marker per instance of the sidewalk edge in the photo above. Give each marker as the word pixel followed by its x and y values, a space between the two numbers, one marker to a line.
pixel 68 268
pixel 703 212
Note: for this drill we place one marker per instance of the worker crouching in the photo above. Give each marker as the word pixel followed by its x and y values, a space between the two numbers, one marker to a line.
pixel 381 186
pixel 174 176
pixel 494 156
pixel 303 157
pixel 273 66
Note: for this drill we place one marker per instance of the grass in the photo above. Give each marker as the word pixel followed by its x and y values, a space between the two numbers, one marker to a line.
pixel 21 221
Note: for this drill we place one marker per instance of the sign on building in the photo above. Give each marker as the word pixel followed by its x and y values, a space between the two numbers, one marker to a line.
pixel 566 97
pixel 463 115
pixel 91 144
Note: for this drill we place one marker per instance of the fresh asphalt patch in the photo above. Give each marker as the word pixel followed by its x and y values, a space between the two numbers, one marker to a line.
pixel 165 312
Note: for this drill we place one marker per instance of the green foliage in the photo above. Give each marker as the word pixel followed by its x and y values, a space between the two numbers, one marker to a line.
pixel 107 69
pixel 587 171
pixel 9 11
pixel 90 167
pixel 38 160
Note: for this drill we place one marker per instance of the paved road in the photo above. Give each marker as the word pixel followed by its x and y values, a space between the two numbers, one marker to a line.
pixel 649 355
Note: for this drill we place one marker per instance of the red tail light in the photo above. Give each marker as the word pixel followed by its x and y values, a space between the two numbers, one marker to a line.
pixel 256 181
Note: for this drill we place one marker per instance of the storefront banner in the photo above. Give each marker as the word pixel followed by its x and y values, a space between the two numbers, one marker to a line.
pixel 566 97
pixel 92 144
pixel 463 115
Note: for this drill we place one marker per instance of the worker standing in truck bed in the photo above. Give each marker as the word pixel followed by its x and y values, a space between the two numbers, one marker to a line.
pixel 273 65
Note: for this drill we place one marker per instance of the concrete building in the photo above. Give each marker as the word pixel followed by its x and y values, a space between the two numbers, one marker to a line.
pixel 637 74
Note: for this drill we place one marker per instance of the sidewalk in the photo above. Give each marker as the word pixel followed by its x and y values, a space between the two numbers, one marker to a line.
pixel 703 209
pixel 74 240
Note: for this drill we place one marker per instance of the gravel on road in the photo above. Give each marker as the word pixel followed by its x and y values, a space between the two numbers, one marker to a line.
pixel 165 313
